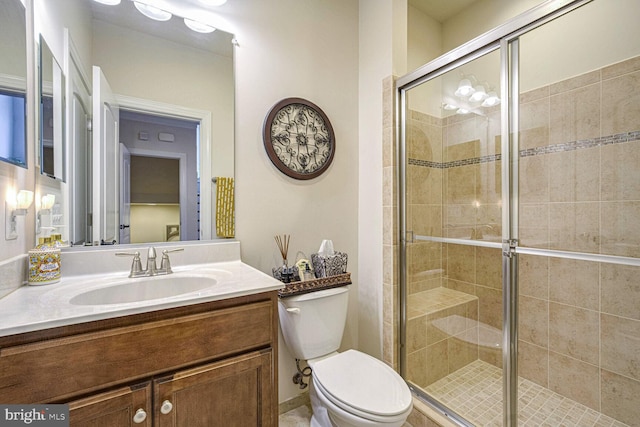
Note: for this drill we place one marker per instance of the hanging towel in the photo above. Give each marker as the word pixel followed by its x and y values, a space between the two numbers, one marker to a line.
pixel 225 207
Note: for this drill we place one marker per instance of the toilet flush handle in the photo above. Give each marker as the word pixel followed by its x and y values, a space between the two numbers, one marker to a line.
pixel 293 310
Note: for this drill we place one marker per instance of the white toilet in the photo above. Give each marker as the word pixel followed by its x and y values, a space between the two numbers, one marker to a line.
pixel 347 389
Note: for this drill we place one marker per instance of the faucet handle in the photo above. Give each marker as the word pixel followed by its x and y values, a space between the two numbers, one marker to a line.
pixel 136 265
pixel 165 264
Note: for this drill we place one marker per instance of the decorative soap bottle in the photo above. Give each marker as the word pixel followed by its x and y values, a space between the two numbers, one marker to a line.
pixel 44 263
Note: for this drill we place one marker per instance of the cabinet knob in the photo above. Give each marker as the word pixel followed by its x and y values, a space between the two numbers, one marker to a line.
pixel 166 407
pixel 139 416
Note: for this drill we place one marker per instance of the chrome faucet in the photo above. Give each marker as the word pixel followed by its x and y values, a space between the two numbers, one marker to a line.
pixel 152 268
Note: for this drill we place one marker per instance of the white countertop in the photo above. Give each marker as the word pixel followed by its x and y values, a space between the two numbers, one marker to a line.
pixel 32 308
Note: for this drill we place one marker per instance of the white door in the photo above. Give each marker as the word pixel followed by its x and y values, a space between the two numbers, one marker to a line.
pixel 125 194
pixel 106 219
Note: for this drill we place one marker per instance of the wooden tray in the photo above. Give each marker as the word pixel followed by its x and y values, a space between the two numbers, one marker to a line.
pixel 306 286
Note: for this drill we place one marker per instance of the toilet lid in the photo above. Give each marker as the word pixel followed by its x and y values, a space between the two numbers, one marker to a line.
pixel 364 383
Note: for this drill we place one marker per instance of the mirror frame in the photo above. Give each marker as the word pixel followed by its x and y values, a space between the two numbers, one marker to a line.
pixel 57 99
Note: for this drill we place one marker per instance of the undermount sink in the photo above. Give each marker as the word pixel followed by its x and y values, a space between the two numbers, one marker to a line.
pixel 144 289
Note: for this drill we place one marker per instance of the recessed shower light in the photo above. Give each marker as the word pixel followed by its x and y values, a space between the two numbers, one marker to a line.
pixel 152 11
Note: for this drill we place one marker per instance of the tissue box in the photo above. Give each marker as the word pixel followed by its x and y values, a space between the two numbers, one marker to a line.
pixel 331 265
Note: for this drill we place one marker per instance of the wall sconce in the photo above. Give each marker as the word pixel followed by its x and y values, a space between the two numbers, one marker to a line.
pixel 14 209
pixel 46 203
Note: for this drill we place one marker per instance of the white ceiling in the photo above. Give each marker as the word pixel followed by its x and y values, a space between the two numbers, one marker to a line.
pixel 125 15
pixel 441 10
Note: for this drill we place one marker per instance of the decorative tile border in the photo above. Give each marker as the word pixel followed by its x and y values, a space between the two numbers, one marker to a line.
pixel 619 138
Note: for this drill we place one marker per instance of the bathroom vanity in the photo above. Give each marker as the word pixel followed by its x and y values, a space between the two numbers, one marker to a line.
pixel 204 358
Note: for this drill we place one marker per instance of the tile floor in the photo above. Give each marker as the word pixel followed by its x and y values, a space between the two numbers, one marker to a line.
pixel 297 417
pixel 475 391
pixel 300 417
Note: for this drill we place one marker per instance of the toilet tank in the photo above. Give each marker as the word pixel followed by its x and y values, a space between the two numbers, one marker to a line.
pixel 313 323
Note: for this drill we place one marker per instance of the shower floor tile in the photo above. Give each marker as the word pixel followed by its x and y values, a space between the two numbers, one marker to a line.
pixel 475 391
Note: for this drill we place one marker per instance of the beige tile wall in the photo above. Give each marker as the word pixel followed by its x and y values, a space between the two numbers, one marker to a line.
pixel 580 321
pixel 579 191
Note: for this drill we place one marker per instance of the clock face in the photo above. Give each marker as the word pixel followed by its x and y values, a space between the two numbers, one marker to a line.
pixel 299 138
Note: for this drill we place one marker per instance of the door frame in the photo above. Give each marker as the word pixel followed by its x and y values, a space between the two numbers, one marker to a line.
pixel 504 38
pixel 204 117
pixel 182 158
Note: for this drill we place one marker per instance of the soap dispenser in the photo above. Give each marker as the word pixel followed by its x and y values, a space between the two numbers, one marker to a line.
pixel 44 263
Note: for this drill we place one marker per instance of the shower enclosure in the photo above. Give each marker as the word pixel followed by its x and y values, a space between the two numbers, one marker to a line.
pixel 519 217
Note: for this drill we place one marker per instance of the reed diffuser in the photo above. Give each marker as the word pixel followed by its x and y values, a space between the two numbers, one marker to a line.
pixel 283 246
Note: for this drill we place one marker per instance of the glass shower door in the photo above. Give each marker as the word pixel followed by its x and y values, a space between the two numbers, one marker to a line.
pixel 453 211
pixel 579 218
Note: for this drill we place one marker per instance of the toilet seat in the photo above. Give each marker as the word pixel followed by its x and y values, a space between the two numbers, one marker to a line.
pixel 363 386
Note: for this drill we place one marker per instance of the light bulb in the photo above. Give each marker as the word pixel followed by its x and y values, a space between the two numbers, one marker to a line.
pixel 24 199
pixel 491 100
pixel 478 94
pixel 198 26
pixel 108 2
pixel 152 11
pixel 48 201
pixel 464 88
pixel 213 2
pixel 462 111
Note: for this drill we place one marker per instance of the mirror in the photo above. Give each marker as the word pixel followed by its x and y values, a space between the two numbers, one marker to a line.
pixel 52 105
pixel 13 83
pixel 162 78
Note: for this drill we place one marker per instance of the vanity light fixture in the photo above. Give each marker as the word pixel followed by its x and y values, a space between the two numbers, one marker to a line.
pixel 462 111
pixel 465 88
pixel 152 12
pixel 47 202
pixel 449 107
pixel 491 100
pixel 108 2
pixel 15 208
pixel 479 94
pixel 213 2
pixel 198 26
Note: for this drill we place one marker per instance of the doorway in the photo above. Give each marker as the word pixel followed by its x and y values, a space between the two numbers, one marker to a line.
pixel 161 191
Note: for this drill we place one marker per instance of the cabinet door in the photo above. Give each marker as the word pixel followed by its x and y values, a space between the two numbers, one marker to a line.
pixel 126 406
pixel 234 392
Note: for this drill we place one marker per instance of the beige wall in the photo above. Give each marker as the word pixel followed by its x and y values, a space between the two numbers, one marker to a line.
pixel 287 49
pixel 149 222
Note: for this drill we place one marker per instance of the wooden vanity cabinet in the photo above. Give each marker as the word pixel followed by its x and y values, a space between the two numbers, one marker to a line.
pixel 203 365
pixel 116 408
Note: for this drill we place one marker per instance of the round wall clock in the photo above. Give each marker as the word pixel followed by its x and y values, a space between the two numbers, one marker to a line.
pixel 298 138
